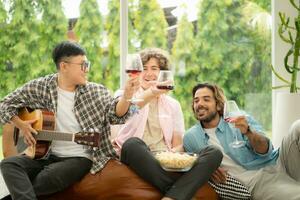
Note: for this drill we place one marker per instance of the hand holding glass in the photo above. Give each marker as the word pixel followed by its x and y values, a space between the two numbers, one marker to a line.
pixel 232 111
pixel 134 67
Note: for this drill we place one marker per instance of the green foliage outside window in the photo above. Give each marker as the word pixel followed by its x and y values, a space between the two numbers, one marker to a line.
pixel 111 74
pixel 52 30
pixel 224 49
pixel 151 24
pixel 19 39
pixel 183 53
pixel 89 30
pixel 232 54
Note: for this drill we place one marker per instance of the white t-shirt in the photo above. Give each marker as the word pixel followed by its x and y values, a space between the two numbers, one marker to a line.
pixel 153 135
pixel 245 176
pixel 66 122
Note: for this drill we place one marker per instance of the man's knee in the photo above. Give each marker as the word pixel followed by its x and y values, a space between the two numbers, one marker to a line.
pixel 8 166
pixel 131 144
pixel 295 129
pixel 7 163
pixel 215 154
pixel 132 149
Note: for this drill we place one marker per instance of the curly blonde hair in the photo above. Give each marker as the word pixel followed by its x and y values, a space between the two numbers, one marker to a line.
pixel 162 57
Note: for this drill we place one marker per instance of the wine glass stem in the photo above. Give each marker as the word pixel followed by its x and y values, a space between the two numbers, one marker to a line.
pixel 236 138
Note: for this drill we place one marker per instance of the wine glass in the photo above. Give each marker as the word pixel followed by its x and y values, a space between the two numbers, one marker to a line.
pixel 134 67
pixel 165 80
pixel 232 111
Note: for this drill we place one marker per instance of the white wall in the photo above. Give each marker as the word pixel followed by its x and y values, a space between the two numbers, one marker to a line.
pixel 123 39
pixel 279 49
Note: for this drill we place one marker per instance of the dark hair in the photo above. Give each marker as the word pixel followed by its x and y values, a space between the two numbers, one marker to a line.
pixel 217 92
pixel 161 56
pixel 66 49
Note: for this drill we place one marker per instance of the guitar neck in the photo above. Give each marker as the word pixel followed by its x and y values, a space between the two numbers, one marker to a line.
pixel 53 135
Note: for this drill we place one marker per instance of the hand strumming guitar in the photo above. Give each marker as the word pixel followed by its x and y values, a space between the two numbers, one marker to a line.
pixel 26 129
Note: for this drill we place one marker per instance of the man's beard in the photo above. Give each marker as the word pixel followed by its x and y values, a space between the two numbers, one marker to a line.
pixel 208 118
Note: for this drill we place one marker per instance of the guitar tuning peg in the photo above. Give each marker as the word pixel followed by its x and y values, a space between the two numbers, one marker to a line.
pixel 84 129
pixel 85 142
pixel 95 148
pixel 91 130
pixel 92 134
pixel 96 130
pixel 91 143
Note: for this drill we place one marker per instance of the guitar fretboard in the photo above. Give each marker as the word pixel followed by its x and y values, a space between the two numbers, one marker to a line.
pixel 52 135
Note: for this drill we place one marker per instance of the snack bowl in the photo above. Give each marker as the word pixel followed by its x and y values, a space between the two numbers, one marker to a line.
pixel 175 161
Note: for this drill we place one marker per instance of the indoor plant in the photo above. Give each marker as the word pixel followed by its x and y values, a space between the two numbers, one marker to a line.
pixel 291 35
pixel 286 110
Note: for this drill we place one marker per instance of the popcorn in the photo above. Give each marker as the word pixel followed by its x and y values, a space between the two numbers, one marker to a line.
pixel 175 160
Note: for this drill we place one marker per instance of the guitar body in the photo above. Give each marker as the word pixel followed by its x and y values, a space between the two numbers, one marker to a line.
pixel 45 126
pixel 45 121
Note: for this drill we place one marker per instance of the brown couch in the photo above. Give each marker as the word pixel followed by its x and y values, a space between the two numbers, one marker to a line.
pixel 117 182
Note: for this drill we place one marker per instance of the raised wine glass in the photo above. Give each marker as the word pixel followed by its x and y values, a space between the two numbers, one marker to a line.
pixel 232 111
pixel 165 80
pixel 134 67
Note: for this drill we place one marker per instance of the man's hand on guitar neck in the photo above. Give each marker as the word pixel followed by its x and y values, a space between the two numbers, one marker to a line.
pixel 26 129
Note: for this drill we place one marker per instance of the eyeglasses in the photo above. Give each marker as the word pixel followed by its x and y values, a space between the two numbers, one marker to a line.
pixel 85 65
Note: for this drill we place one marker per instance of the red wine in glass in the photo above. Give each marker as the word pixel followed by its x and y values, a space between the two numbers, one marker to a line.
pixel 134 67
pixel 133 72
pixel 165 87
pixel 165 80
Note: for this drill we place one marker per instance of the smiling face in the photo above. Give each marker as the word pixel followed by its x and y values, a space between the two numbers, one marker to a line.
pixel 72 71
pixel 150 72
pixel 205 107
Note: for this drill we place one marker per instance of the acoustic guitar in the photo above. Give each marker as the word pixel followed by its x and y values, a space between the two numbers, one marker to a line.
pixel 45 126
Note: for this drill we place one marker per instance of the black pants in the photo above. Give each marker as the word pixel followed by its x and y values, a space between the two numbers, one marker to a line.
pixel 26 178
pixel 179 186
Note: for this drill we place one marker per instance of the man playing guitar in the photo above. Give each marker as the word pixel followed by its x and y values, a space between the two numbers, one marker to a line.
pixel 78 106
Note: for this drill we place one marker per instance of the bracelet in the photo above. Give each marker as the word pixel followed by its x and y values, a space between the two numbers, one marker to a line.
pixel 134 108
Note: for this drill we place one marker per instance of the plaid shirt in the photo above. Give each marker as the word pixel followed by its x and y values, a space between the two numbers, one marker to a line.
pixel 94 108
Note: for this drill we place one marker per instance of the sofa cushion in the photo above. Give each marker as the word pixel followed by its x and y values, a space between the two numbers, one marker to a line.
pixel 117 182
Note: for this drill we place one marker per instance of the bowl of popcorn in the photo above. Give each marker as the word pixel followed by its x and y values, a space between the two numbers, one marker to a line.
pixel 175 161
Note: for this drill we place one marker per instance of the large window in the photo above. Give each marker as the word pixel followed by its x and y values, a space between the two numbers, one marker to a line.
pixel 226 42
